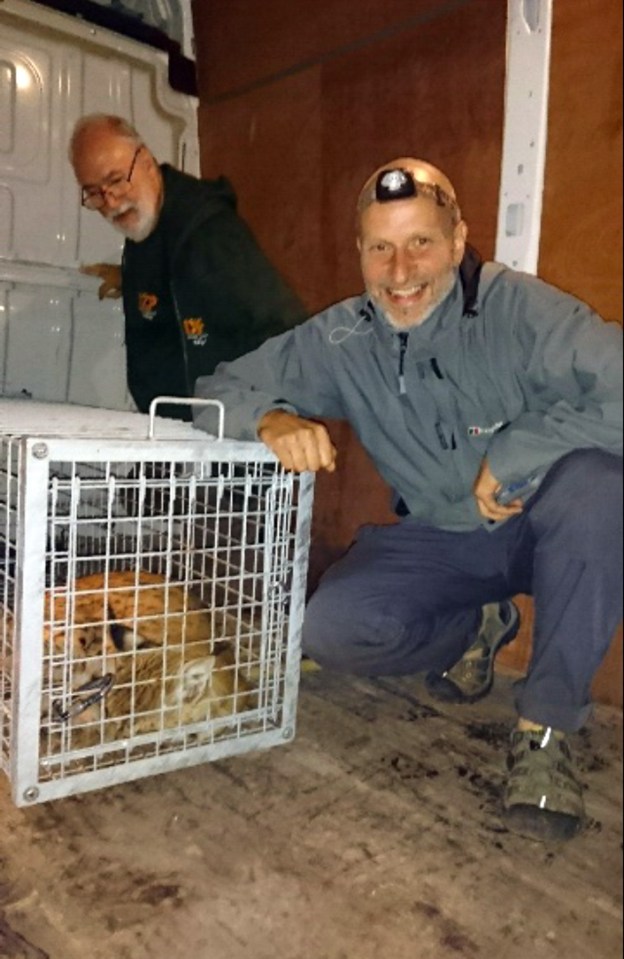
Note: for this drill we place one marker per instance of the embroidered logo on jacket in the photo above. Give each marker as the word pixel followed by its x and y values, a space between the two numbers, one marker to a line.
pixel 485 430
pixel 195 330
pixel 147 305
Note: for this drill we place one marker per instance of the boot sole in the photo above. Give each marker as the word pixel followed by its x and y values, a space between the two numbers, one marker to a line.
pixel 542 825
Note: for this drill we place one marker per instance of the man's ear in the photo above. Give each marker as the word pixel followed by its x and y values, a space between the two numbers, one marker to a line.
pixel 460 234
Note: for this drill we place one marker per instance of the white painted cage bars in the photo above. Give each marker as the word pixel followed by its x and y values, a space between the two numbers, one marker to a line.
pixel 151 594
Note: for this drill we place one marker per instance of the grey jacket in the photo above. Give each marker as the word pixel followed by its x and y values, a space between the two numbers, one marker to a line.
pixel 532 376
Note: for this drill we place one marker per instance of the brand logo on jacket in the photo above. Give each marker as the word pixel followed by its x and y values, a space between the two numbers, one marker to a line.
pixel 148 303
pixel 195 330
pixel 485 430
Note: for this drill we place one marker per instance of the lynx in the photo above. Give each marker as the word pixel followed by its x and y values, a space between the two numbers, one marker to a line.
pixel 156 689
pixel 123 609
pixel 154 643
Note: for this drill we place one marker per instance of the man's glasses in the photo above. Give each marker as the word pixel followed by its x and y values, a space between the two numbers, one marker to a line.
pixel 94 197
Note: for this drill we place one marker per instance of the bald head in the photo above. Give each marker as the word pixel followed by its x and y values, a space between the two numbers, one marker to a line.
pixel 98 131
pixel 411 239
pixel 119 176
pixel 407 177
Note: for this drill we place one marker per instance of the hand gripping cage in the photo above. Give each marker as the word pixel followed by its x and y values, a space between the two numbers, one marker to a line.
pixel 151 596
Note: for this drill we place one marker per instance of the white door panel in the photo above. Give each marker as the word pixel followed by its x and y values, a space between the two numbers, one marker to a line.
pixel 58 341
pixel 6 220
pixel 98 368
pixel 37 315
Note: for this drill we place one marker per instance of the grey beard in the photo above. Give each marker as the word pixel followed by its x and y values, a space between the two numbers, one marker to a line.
pixel 430 309
pixel 140 232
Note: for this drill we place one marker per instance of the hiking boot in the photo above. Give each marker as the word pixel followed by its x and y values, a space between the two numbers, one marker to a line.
pixel 543 799
pixel 471 678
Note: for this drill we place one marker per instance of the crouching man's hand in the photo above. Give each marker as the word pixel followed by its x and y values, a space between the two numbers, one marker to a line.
pixel 486 489
pixel 299 444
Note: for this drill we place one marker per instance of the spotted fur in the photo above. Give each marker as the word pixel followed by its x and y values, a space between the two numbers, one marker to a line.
pixel 101 612
pixel 160 689
pixel 155 639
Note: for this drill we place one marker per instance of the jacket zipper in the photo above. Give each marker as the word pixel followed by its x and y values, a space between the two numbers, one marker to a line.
pixel 178 316
pixel 402 351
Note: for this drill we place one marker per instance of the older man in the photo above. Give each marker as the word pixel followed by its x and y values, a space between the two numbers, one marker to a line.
pixel 196 287
pixel 491 403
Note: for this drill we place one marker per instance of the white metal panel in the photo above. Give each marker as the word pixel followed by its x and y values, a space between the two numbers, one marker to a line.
pixel 6 218
pixel 38 315
pixel 19 417
pixel 53 69
pixel 526 127
pixel 58 341
pixel 25 165
pixel 97 375
pixel 85 75
pixel 4 332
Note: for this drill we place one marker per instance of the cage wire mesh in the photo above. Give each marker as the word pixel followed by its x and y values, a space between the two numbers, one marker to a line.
pixel 152 598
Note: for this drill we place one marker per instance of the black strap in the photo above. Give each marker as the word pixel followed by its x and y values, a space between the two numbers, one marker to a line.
pixel 400 507
pixel 182 74
pixel 470 274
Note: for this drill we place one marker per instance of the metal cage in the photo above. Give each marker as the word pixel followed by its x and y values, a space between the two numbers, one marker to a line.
pixel 151 597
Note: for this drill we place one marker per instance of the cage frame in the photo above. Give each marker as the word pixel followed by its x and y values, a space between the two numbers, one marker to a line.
pixel 37 453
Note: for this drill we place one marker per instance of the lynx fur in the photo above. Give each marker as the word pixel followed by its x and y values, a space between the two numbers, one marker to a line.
pixel 156 640
pixel 158 689
pixel 140 606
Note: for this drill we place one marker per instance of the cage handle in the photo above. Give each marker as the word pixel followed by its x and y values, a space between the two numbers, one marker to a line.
pixel 184 401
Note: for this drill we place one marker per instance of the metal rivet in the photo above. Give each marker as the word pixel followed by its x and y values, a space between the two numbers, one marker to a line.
pixel 40 451
pixel 31 794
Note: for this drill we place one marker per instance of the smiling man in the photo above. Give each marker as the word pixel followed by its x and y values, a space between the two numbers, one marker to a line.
pixel 196 287
pixel 491 403
pixel 408 263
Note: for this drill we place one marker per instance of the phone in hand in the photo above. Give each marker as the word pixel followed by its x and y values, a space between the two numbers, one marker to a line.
pixel 520 489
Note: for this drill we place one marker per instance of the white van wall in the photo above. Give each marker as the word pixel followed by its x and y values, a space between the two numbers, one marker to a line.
pixel 57 340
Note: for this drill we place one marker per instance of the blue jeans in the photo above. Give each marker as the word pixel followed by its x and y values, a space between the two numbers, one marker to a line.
pixel 407 597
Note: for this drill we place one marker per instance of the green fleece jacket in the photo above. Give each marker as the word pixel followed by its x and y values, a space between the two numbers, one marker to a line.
pixel 530 375
pixel 197 291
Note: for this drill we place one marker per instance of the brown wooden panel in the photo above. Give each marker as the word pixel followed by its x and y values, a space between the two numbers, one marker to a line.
pixel 299 149
pixel 268 144
pixel 581 245
pixel 243 44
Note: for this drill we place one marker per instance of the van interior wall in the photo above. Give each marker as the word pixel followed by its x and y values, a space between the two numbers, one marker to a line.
pixel 581 241
pixel 300 101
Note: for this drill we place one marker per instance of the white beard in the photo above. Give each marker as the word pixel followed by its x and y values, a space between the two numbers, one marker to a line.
pixel 145 222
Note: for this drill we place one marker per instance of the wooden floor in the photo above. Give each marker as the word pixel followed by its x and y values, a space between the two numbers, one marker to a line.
pixel 374 835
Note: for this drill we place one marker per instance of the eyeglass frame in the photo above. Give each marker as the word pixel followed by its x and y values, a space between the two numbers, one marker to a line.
pixel 99 194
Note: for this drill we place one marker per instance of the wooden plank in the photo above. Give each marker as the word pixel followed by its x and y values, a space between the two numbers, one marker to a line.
pixel 375 833
pixel 581 248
